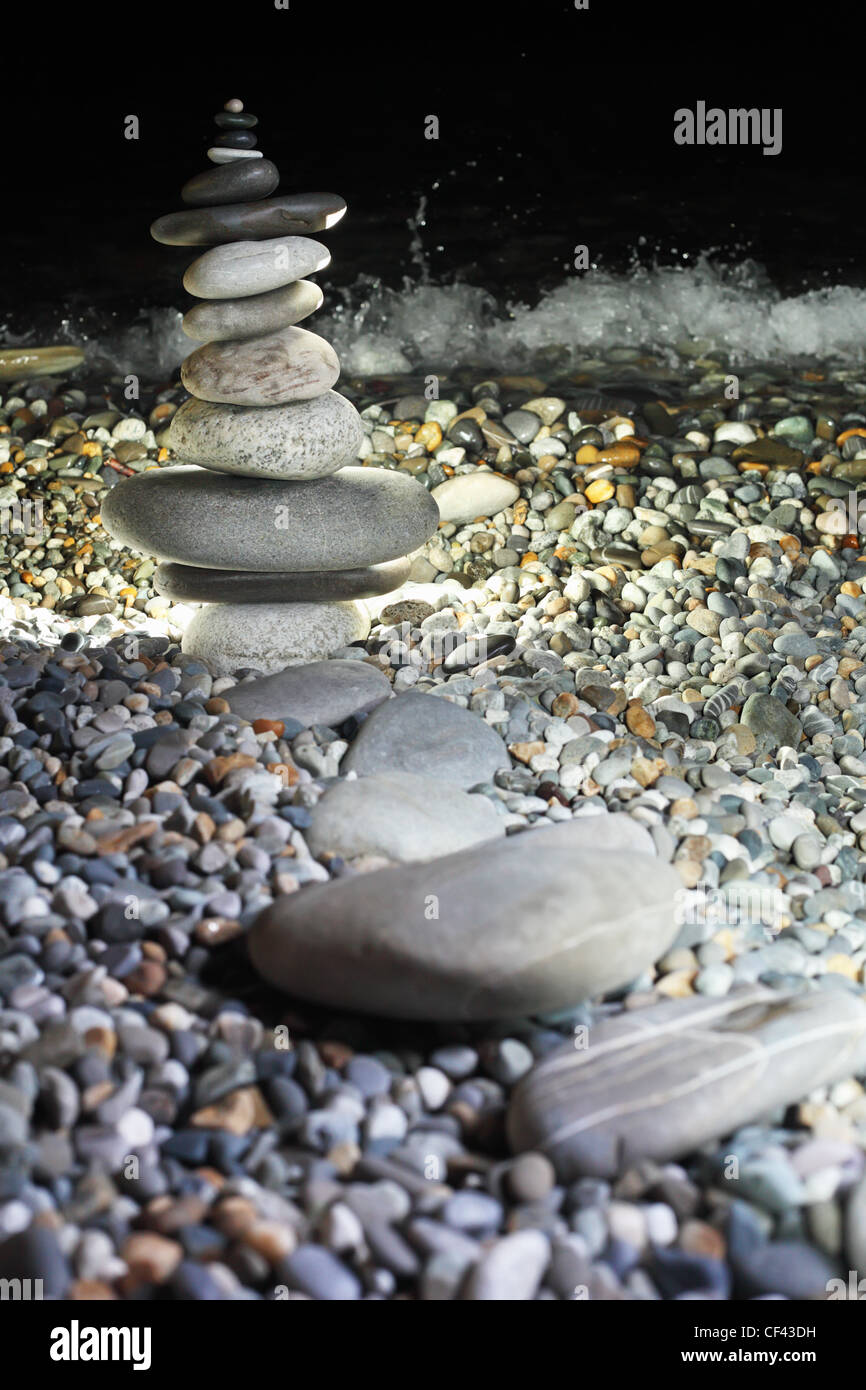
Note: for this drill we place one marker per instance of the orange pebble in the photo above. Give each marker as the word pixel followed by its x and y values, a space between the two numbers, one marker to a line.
pixel 587 453
pixel 600 490
pixel 622 454
pixel 849 434
pixel 269 726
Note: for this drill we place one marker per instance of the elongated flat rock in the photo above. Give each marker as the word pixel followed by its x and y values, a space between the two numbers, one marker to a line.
pixel 290 365
pixel 20 364
pixel 469 495
pixel 254 267
pixel 192 584
pixel 305 439
pixel 359 517
pixel 258 314
pixel 323 692
pixel 238 182
pixel 292 214
pixel 271 636
pixel 425 733
pixel 659 1082
pixel 511 927
pixel 402 816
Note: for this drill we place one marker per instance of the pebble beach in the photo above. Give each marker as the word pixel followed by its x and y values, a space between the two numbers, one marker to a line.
pixel 627 673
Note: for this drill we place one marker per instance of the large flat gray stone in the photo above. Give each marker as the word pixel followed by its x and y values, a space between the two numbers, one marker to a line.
pixel 323 692
pixel 271 636
pixel 192 584
pixel 427 734
pixel 659 1082
pixel 242 180
pixel 511 927
pixel 306 439
pixel 254 267
pixel 217 319
pixel 402 816
pixel 289 214
pixel 292 364
pixel 358 517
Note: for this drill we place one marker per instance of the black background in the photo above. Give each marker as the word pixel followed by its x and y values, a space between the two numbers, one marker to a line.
pixel 556 128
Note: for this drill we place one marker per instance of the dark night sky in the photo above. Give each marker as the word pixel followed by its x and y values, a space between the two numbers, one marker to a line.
pixel 556 128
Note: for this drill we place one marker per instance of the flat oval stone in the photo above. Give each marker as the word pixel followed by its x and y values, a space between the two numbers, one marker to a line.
pixel 217 155
pixel 242 181
pixel 291 214
pixel 290 365
pixel 237 140
pixel 659 1082
pixel 257 314
pixel 19 364
pixel 518 926
pixel 422 733
pixel 235 120
pixel 360 517
pixel 401 815
pixel 254 267
pixel 305 439
pixel 469 495
pixel 321 692
pixel 192 584
pixel 271 636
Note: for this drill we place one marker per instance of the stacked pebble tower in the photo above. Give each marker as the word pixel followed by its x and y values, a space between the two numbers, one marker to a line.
pixel 263 523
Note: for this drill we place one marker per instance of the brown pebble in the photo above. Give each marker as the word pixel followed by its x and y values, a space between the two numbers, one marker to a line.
pixel 270 1240
pixel 89 1291
pixel 237 1113
pixel 233 1216
pixel 214 931
pixel 269 726
pixel 698 1238
pixel 151 1258
pixel 147 978
pixel 640 721
pixel 565 706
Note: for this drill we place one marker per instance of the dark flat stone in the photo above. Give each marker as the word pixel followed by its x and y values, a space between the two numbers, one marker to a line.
pixel 241 181
pixel 189 584
pixel 290 215
pixel 235 120
pixel 237 140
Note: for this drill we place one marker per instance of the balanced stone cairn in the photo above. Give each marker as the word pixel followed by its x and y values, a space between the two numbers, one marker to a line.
pixel 264 524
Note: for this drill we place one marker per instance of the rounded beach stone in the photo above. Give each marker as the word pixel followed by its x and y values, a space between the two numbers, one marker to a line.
pixel 254 267
pixel 523 925
pixel 193 584
pixel 271 636
pixel 659 1082
pixel 291 365
pixel 322 692
pixel 401 815
pixel 257 314
pixel 239 182
pixel 469 495
pixel 305 439
pixel 292 214
pixel 360 517
pixel 425 734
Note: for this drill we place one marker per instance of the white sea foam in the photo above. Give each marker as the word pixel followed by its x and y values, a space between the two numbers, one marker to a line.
pixel 380 330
